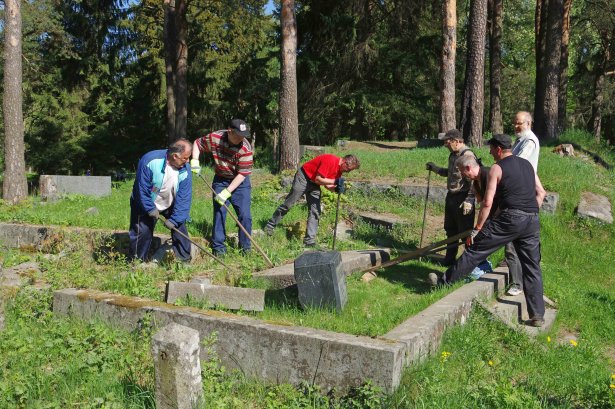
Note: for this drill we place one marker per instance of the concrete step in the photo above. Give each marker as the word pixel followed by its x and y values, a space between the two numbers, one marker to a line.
pixel 512 310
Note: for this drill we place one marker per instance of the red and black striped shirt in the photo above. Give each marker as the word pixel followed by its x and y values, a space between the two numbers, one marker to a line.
pixel 231 160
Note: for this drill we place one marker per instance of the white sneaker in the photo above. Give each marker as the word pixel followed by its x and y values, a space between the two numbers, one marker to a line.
pixel 433 279
pixel 514 290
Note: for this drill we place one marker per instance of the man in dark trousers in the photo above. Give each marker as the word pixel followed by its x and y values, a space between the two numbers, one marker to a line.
pixel 324 170
pixel 459 204
pixel 515 186
pixel 163 186
pixel 233 157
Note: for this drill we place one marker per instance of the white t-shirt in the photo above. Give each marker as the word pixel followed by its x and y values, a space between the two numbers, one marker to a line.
pixel 166 195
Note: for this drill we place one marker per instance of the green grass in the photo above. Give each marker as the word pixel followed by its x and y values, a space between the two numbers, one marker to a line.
pixel 481 364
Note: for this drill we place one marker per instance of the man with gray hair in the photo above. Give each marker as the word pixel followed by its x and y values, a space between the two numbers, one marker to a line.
pixel 527 147
pixel 163 186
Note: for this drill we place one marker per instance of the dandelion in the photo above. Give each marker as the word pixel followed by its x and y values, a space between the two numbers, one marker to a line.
pixel 548 339
pixel 444 356
pixel 613 376
pixel 573 343
pixel 490 363
pixel 612 386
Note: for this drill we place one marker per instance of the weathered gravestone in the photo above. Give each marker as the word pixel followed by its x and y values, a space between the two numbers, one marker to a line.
pixel 54 186
pixel 321 280
pixel 595 206
pixel 175 349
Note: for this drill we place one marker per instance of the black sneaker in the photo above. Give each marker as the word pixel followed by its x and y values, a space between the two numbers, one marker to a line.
pixel 535 322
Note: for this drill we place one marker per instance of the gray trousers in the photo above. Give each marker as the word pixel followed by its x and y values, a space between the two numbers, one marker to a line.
pixel 455 222
pixel 301 186
pixel 514 265
pixel 523 230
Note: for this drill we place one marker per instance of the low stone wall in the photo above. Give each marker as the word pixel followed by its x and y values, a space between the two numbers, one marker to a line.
pixel 275 353
pixel 54 186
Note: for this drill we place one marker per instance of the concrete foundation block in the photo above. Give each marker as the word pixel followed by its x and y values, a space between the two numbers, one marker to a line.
pixel 177 367
pixel 321 280
pixel 259 349
pixel 233 298
pixel 54 186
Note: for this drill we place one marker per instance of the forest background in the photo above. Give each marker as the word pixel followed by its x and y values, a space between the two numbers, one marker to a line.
pixel 95 84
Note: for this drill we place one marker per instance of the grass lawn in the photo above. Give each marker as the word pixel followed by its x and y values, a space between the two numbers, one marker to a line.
pixel 481 364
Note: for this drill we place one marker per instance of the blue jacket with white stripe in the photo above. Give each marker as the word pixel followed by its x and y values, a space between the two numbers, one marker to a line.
pixel 150 174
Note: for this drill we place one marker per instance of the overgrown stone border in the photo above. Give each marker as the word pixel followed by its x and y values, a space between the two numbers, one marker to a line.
pixel 281 353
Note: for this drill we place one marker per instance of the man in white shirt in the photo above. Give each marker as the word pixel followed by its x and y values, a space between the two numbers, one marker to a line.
pixel 527 147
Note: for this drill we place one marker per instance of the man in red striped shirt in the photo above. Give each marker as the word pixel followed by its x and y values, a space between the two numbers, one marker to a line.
pixel 324 170
pixel 233 157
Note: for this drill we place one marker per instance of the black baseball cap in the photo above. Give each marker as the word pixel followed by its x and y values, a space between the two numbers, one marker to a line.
pixel 451 134
pixel 240 127
pixel 501 140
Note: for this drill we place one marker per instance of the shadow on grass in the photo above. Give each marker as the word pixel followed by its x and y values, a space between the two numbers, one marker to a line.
pixel 411 276
pixel 287 297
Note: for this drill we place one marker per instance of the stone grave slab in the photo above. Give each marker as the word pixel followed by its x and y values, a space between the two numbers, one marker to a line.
pixel 233 298
pixel 54 186
pixel 595 206
pixel 321 280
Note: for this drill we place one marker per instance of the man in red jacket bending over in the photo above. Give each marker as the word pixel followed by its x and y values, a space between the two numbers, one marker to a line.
pixel 325 170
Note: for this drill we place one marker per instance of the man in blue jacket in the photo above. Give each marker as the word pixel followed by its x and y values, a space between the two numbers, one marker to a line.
pixel 163 186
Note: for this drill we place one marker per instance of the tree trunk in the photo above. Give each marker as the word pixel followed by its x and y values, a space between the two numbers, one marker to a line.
pixel 563 80
pixel 181 70
pixel 289 121
pixel 552 68
pixel 447 69
pixel 540 24
pixel 15 185
pixel 546 109
pixel 169 60
pixel 495 66
pixel 595 122
pixel 473 94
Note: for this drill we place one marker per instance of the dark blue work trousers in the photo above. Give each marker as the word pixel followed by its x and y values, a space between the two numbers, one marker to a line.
pixel 240 199
pixel 523 230
pixel 141 233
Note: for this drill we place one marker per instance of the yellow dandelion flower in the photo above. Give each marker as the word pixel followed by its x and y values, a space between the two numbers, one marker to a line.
pixel 548 339
pixel 490 363
pixel 444 356
pixel 612 386
pixel 573 343
pixel 613 376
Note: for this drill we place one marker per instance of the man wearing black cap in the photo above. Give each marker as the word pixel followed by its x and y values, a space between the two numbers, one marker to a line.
pixel 515 186
pixel 459 204
pixel 233 157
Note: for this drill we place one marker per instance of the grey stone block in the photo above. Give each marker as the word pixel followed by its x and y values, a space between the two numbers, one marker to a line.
pixel 352 261
pixel 437 194
pixel 595 206
pixel 177 367
pixel 388 221
pixel 262 350
pixel 321 280
pixel 315 150
pixel 54 186
pixel 233 298
pixel 549 205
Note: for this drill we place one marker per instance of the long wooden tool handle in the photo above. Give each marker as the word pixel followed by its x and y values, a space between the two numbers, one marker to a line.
pixel 425 208
pixel 176 230
pixel 269 263
pixel 419 252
